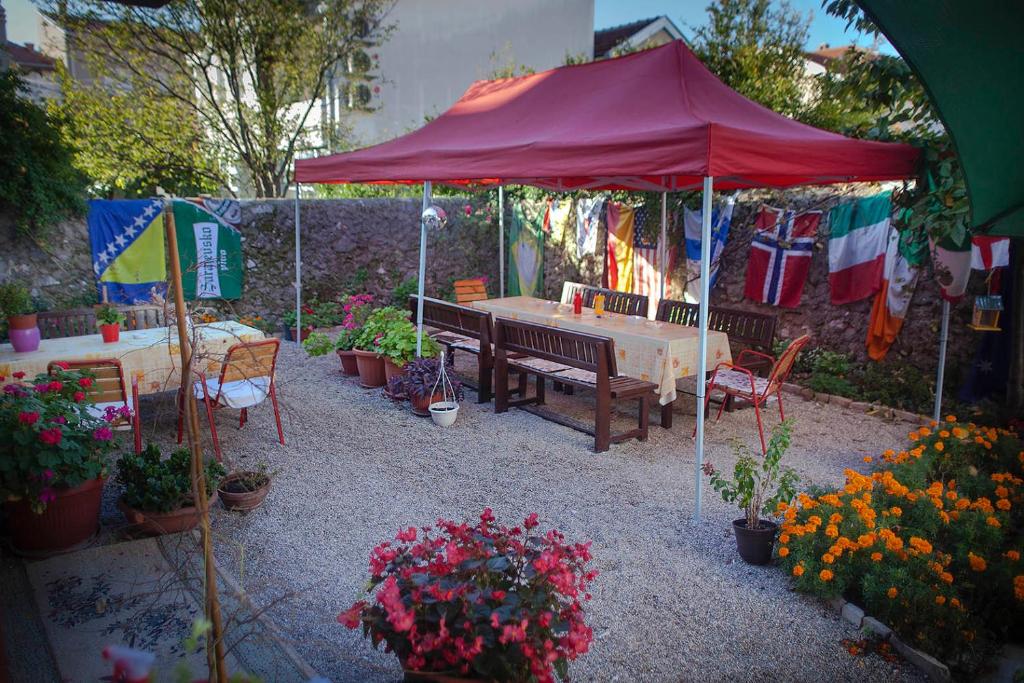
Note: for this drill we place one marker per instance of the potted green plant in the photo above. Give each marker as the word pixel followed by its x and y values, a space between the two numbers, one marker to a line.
pixel 317 344
pixel 356 308
pixel 398 346
pixel 109 320
pixel 757 487
pixel 157 495
pixel 479 601
pixel 53 460
pixel 290 321
pixel 245 490
pixel 22 328
pixel 422 386
pixel 368 357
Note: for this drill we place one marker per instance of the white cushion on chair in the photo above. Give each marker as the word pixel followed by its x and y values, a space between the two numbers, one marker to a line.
pixel 739 382
pixel 240 393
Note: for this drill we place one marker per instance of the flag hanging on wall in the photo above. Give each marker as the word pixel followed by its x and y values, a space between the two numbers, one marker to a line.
pixel 526 250
pixel 647 268
pixel 588 220
pixel 858 236
pixel 903 262
pixel 721 219
pixel 210 248
pixel 989 252
pixel 128 254
pixel 952 264
pixel 621 226
pixel 780 256
pixel 557 220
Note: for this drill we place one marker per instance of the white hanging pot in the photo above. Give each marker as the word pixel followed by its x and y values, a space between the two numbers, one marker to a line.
pixel 443 413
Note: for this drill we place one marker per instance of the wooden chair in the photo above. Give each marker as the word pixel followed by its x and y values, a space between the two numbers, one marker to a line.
pixel 246 380
pixel 468 291
pixel 572 358
pixel 587 292
pixel 108 390
pixel 735 379
pixel 74 322
pixel 625 303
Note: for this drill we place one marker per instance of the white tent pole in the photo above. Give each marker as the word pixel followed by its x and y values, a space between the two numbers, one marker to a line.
pixel 702 337
pixel 663 246
pixel 501 241
pixel 940 376
pixel 298 268
pixel 423 269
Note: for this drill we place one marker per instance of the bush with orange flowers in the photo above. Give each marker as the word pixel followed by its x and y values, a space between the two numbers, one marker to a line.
pixel 929 542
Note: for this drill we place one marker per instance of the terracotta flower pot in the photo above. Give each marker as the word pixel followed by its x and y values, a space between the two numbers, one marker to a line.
pixel 158 523
pixel 421 406
pixel 371 369
pixel 111 332
pixel 68 521
pixel 348 362
pixel 23 332
pixel 305 333
pixel 391 369
pixel 755 545
pixel 241 500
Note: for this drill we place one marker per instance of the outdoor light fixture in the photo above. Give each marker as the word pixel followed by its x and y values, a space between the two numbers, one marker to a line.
pixel 434 217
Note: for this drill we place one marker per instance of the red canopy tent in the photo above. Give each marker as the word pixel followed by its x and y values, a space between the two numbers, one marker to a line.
pixel 653 120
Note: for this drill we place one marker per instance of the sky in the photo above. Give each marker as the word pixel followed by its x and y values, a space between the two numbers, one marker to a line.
pixel 22 25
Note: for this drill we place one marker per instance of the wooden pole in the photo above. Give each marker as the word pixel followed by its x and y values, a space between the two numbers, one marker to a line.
pixel 215 644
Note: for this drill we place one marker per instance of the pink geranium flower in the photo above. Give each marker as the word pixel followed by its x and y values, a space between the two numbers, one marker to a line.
pixel 103 434
pixel 51 436
pixel 28 418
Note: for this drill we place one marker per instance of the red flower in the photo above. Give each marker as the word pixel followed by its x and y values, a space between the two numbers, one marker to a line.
pixel 498 595
pixel 85 382
pixel 56 386
pixel 353 616
pixel 79 396
pixel 19 375
pixel 531 521
pixel 407 536
pixel 28 418
pixel 51 436
pixel 103 434
pixel 63 365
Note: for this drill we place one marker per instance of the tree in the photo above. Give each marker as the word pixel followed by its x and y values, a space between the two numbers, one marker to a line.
pixel 39 183
pixel 249 74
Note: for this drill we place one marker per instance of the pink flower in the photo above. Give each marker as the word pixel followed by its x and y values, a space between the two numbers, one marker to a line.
pixel 103 434
pixel 85 382
pixel 531 521
pixel 47 495
pixel 60 419
pixel 468 209
pixel 47 474
pixel 513 633
pixel 63 365
pixel 28 418
pixel 498 595
pixel 42 388
pixel 407 536
pixel 51 436
pixel 56 386
pixel 353 616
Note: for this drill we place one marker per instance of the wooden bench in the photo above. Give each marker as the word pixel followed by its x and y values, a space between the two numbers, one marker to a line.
pixel 745 329
pixel 587 292
pixel 571 358
pixel 76 322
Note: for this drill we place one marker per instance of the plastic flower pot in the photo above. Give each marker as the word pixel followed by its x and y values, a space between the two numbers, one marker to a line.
pixel 371 369
pixel 391 369
pixel 69 521
pixel 158 523
pixel 234 496
pixel 421 405
pixel 111 332
pixel 348 362
pixel 23 332
pixel 443 413
pixel 755 545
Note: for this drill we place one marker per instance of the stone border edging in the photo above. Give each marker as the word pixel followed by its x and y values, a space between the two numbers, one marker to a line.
pixel 876 409
pixel 924 662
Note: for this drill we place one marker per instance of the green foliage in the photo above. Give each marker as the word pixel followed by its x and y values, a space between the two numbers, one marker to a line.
pixel 830 384
pixel 758 485
pixel 155 484
pixel 399 343
pixel 15 300
pixel 317 344
pixel 400 294
pixel 39 183
pixel 377 325
pixel 107 314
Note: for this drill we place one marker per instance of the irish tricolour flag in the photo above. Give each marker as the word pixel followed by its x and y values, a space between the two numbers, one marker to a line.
pixel 856 247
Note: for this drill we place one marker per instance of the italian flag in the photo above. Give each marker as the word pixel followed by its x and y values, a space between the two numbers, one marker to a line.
pixel 903 263
pixel 859 233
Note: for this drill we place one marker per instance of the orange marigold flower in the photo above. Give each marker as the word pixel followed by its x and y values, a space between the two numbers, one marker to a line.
pixel 954 602
pixel 828 558
pixel 784 538
pixel 1002 491
pixel 940 599
pixel 1003 504
pixel 920 545
pixel 951 495
pixel 1012 555
pixel 951 418
pixel 798 570
pixel 925 431
pixel 939 446
pixel 889 453
pixel 783 551
pixel 959 432
pixel 895 510
pixel 946 577
pixel 831 531
pixel 993 522
pixel 892 592
pixel 825 575
pixel 868 458
pixel 815 520
pixel 835 518
pixel 944 434
pixel 876 557
pixel 978 563
pixel 963 504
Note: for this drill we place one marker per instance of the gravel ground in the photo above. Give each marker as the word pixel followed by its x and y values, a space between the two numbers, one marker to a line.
pixel 673 601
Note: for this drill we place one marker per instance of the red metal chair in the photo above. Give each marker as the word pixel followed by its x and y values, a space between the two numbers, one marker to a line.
pixel 740 382
pixel 246 380
pixel 109 390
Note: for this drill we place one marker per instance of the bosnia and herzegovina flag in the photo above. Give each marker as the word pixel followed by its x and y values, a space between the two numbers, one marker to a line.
pixel 128 254
pixel 210 247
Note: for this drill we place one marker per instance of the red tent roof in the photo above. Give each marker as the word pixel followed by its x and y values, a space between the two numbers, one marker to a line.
pixel 653 120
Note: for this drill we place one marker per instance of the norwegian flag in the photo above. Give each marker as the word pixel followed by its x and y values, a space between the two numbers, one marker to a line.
pixel 780 256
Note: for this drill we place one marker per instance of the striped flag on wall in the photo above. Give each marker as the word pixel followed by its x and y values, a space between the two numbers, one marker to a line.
pixel 780 256
pixel 858 236
pixel 721 219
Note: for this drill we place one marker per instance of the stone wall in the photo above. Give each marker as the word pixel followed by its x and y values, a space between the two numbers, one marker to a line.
pixel 343 238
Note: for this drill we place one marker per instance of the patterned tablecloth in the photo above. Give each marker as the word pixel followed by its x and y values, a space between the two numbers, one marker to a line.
pixel 151 355
pixel 645 349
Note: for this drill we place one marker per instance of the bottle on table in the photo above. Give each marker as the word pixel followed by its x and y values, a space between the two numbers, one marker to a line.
pixel 599 305
pixel 577 303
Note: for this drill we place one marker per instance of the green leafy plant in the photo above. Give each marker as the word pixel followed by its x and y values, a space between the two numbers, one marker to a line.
pixel 155 484
pixel 15 300
pixel 377 325
pixel 107 314
pixel 245 481
pixel 837 386
pixel 758 485
pixel 317 344
pixel 400 294
pixel 399 343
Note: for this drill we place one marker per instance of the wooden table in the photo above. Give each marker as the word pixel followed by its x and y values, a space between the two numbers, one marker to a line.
pixel 151 355
pixel 645 349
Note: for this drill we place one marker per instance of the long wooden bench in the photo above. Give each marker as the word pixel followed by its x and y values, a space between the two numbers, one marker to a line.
pixel 571 358
pixel 746 330
pixel 464 328
pixel 76 322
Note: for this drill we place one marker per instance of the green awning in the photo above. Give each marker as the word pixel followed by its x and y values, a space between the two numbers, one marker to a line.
pixel 970 57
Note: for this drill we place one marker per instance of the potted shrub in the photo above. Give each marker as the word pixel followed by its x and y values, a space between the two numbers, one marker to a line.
pixel 356 308
pixel 307 327
pixel 422 387
pixel 16 305
pixel 398 346
pixel 157 495
pixel 757 487
pixel 109 320
pixel 478 601
pixel 395 389
pixel 317 344
pixel 53 455
pixel 366 347
pixel 244 490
